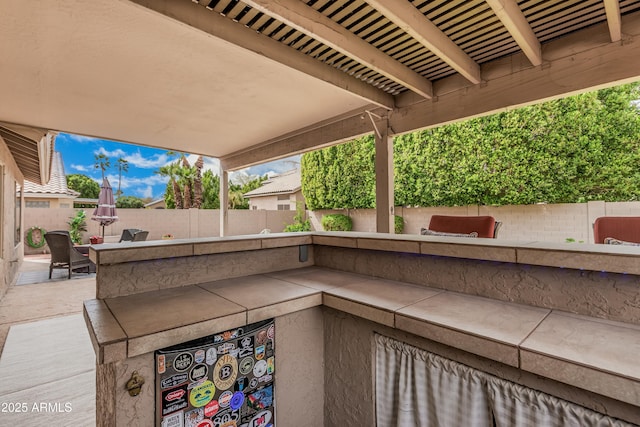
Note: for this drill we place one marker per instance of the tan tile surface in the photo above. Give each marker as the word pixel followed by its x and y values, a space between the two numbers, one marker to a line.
pixel 496 320
pixel 151 312
pixel 604 383
pixel 107 337
pixel 375 314
pixel 394 245
pixel 604 345
pixel 483 346
pixel 386 294
pixel 472 249
pixel 226 246
pixel 257 291
pixel 321 279
pixel 154 341
pixel 284 308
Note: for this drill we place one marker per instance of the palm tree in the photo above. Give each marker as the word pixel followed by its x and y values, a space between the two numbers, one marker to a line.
pixel 123 166
pixel 197 184
pixel 186 175
pixel 171 171
pixel 102 163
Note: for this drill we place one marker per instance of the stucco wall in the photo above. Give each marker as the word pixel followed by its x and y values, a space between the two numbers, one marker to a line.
pixel 10 253
pixel 611 296
pixel 271 202
pixel 180 223
pixel 549 223
pixel 350 372
pixel 299 384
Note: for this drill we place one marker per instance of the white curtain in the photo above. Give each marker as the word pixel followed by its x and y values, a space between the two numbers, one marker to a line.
pixel 418 388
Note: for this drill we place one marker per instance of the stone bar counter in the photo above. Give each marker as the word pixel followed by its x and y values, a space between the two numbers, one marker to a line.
pixel 563 319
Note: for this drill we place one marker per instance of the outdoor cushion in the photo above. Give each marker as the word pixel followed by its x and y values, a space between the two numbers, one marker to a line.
pixel 483 225
pixel 427 232
pixel 614 241
pixel 625 228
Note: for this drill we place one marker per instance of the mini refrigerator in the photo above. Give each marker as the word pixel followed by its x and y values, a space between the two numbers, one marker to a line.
pixel 222 380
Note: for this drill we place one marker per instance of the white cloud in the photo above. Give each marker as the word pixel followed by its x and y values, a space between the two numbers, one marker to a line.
pixel 81 168
pixel 115 153
pixel 81 138
pixel 131 182
pixel 138 160
pixel 144 192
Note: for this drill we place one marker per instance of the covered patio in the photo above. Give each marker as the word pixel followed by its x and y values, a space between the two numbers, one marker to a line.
pixel 259 80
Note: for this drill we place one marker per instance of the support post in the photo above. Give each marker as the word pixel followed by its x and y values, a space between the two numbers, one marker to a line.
pixel 384 177
pixel 224 200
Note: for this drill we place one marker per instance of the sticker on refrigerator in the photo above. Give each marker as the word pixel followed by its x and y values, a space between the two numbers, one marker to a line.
pixel 225 372
pixel 182 362
pixel 174 400
pixel 173 381
pixel 202 394
pixel 198 372
pixel 174 420
pixel 215 381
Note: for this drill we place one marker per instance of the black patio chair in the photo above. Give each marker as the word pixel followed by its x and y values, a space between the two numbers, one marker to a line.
pixel 127 234
pixel 140 236
pixel 64 254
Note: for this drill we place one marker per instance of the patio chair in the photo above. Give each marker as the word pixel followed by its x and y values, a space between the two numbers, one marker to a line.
pixel 625 229
pixel 140 236
pixel 127 234
pixel 64 254
pixel 485 226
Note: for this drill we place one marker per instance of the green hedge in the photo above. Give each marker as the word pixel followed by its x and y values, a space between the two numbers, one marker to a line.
pixel 572 150
pixel 336 222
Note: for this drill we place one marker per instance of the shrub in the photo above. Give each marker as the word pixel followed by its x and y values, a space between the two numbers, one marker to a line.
pixel 299 221
pixel 399 224
pixel 336 222
pixel 77 224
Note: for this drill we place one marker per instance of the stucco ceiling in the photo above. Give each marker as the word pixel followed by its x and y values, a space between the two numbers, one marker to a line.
pixel 113 69
pixel 253 80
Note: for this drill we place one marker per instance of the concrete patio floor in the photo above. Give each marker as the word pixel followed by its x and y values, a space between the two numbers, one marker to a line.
pixel 47 364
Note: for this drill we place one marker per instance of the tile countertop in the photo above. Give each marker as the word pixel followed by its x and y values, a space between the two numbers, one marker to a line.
pixel 611 258
pixel 593 354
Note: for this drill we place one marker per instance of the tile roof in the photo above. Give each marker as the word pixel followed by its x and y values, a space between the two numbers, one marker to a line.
pixel 285 183
pixel 57 185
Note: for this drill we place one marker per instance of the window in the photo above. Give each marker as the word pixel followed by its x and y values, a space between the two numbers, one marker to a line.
pixel 17 220
pixel 283 197
pixel 254 207
pixel 284 207
pixel 38 204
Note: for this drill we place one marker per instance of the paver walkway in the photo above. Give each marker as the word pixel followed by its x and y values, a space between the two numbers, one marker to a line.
pixel 47 364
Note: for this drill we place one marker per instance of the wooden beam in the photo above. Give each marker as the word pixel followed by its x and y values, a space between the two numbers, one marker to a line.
pixel 384 178
pixel 212 23
pixel 307 20
pixel 515 22
pixel 321 135
pixel 582 61
pixel 224 199
pixel 612 8
pixel 414 23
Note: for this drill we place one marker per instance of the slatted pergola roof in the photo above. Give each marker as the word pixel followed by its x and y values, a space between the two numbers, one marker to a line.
pixel 250 81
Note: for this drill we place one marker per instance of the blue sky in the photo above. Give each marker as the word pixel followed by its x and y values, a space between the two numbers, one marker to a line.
pixel 78 153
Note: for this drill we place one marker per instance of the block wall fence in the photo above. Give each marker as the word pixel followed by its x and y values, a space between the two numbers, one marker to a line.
pixel 550 223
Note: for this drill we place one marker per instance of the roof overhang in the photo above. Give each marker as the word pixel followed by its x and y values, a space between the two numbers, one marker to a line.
pixel 256 80
pixel 32 150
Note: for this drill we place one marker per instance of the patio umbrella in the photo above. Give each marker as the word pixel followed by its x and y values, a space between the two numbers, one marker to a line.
pixel 105 212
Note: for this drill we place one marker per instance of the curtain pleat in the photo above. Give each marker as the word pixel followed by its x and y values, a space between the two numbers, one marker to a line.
pixel 421 389
pixel 417 388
